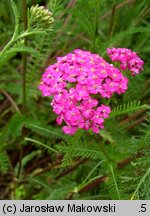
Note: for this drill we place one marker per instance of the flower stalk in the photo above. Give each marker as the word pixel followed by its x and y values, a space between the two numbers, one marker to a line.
pixel 24 56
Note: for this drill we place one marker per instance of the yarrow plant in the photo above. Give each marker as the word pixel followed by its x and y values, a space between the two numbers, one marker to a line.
pixel 74 81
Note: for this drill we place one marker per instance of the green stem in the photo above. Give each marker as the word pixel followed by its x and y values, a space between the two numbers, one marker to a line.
pixel 115 182
pixel 15 38
pixel 90 173
pixel 112 21
pixel 20 161
pixel 9 44
pixel 24 69
pixel 28 33
pixel 105 154
pixel 109 160
pixel 24 56
pixel 140 183
pixel 96 25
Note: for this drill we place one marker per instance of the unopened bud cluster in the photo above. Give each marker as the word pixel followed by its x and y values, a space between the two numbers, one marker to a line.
pixel 40 17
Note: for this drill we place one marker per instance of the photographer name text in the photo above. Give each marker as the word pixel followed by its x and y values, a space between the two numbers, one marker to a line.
pixel 70 208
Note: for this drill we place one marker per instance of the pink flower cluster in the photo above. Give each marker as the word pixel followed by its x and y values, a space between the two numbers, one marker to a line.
pixel 128 58
pixel 74 81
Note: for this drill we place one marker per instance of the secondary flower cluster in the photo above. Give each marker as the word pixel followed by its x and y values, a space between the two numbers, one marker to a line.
pixel 128 58
pixel 73 81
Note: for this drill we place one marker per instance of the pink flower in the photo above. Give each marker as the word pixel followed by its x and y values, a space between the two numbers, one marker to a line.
pixel 128 58
pixel 72 115
pixel 82 92
pixel 88 104
pixel 88 113
pixel 104 110
pixel 95 128
pixel 76 79
pixel 110 86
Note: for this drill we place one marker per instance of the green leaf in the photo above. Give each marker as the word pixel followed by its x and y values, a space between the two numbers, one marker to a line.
pixel 127 108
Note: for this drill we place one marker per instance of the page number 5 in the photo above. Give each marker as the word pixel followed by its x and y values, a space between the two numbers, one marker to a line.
pixel 143 208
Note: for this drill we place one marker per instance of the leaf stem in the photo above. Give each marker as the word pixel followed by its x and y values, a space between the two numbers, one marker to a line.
pixel 41 144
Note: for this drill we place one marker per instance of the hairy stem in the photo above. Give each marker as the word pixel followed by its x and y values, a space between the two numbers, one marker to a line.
pixel 24 69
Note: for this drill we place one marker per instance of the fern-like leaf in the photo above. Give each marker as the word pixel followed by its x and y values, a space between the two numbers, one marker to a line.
pixel 127 108
pixel 17 16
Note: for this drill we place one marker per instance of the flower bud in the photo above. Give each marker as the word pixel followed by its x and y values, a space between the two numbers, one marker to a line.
pixel 40 18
